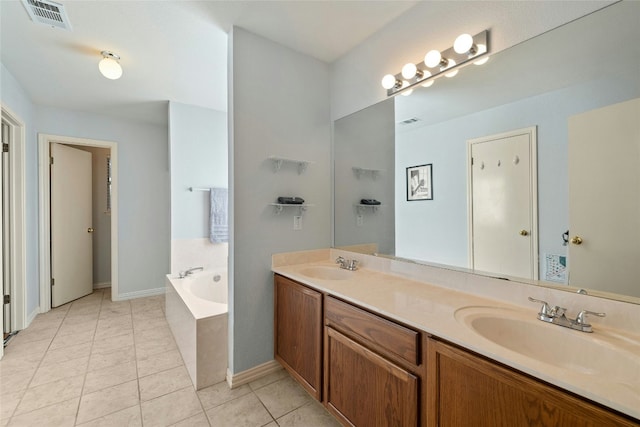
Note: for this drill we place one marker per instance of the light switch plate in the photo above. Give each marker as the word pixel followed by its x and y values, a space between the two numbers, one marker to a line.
pixel 359 220
pixel 297 222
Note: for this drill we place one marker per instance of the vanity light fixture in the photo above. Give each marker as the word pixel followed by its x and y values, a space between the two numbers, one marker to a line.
pixel 109 65
pixel 466 49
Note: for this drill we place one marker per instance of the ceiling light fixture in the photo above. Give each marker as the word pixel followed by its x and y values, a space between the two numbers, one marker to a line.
pixel 110 66
pixel 466 49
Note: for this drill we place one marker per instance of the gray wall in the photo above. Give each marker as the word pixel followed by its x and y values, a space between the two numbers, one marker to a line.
pixel 143 193
pixel 365 139
pixel 437 230
pixel 199 158
pixel 279 105
pixel 16 99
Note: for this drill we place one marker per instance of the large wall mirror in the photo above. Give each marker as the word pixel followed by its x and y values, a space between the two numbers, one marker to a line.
pixel 569 96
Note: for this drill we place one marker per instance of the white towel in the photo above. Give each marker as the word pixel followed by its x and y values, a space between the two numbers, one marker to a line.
pixel 219 215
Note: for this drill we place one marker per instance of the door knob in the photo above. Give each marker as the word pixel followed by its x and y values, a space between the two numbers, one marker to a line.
pixel 524 233
pixel 90 230
pixel 576 240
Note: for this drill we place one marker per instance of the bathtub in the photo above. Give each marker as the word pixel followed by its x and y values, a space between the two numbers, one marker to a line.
pixel 196 310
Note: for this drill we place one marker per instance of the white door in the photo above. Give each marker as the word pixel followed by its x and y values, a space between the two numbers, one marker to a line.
pixel 604 198
pixel 71 229
pixel 503 224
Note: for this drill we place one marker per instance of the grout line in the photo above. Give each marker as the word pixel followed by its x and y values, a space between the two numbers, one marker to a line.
pixel 75 421
pixel 39 365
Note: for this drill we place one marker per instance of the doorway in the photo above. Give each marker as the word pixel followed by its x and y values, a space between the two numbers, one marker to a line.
pixel 13 220
pixel 503 230
pixel 107 202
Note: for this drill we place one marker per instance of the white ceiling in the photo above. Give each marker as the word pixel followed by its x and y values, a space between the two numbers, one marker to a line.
pixel 170 50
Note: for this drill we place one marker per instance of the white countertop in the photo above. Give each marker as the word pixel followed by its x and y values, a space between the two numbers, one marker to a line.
pixel 432 309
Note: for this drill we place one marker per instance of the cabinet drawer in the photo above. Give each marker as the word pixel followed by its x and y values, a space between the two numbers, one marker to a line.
pixel 387 335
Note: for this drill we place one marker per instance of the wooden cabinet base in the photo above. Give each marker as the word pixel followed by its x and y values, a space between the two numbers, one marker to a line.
pixel 298 333
pixel 364 389
pixel 466 390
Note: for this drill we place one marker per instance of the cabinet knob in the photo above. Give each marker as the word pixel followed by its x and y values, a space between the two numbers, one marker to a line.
pixel 524 233
pixel 576 240
pixel 90 230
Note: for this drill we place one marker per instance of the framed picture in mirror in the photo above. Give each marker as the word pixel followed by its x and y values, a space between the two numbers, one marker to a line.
pixel 420 182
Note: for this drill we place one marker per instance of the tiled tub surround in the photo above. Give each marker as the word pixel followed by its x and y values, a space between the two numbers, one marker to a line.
pixel 196 310
pixel 94 362
pixel 427 298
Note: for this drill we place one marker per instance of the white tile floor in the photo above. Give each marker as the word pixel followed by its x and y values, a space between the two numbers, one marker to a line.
pixel 94 362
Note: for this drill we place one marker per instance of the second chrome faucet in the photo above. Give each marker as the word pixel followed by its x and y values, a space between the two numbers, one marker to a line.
pixel 347 264
pixel 556 315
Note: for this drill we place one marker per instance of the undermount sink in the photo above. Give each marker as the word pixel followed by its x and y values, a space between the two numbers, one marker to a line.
pixel 586 353
pixel 327 273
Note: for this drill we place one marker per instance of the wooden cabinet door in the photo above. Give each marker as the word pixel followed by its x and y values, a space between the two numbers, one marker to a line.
pixel 364 389
pixel 298 332
pixel 466 390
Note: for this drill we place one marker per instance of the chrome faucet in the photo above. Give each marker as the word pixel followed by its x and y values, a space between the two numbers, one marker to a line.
pixel 557 315
pixel 189 271
pixel 347 264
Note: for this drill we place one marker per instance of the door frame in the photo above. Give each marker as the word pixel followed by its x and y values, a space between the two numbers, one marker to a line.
pixel 20 319
pixel 44 195
pixel 532 132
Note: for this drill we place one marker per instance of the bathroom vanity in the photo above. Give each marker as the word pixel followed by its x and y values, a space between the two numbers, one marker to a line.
pixel 382 349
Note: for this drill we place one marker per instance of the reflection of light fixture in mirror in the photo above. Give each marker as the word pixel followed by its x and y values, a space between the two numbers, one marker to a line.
pixel 451 64
pixel 428 82
pixel 482 49
pixel 109 65
pixel 405 84
pixel 389 81
pixel 467 49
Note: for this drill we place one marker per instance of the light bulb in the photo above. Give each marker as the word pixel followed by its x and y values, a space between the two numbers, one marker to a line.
pixel 482 49
pixel 409 71
pixel 463 43
pixel 407 92
pixel 432 58
pixel 451 63
pixel 428 83
pixel 109 66
pixel 389 81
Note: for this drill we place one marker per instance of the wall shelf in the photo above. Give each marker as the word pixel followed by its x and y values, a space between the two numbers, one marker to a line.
pixel 279 161
pixel 279 207
pixel 366 171
pixel 361 208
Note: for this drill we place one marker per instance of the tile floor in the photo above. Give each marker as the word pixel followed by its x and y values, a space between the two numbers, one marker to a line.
pixel 94 362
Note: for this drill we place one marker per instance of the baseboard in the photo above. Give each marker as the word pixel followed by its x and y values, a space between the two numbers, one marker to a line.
pixel 140 294
pixel 32 316
pixel 101 285
pixel 244 377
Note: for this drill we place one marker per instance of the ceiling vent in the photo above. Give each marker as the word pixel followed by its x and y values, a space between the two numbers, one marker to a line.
pixel 48 13
pixel 409 121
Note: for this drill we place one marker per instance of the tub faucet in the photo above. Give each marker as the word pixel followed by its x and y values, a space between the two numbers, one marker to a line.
pixel 189 271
